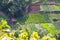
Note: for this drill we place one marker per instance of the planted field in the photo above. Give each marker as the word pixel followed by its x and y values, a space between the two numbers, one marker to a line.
pixel 37 18
pixel 50 8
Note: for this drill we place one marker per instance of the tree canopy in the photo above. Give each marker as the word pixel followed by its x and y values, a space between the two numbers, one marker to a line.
pixel 14 8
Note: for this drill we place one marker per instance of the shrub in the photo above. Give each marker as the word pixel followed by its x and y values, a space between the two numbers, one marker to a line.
pixel 4 25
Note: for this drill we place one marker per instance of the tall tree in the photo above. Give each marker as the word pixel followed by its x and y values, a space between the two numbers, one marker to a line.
pixel 14 8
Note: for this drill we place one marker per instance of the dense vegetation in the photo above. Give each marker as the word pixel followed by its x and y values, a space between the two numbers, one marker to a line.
pixel 33 26
pixel 50 8
pixel 31 32
pixel 13 8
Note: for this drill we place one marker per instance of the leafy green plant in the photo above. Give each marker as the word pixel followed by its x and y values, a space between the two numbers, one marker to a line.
pixel 35 36
pixel 23 36
pixel 48 38
pixel 4 25
pixel 58 35
pixel 33 27
pixel 29 31
pixel 50 27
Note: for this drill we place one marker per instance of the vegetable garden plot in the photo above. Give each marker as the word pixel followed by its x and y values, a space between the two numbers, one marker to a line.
pixel 50 8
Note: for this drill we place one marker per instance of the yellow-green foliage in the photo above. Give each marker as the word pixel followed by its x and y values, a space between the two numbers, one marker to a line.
pixel 3 24
pixel 23 36
pixel 6 36
pixel 50 27
pixel 30 33
pixel 37 18
pixel 57 8
pixel 34 36
pixel 48 38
